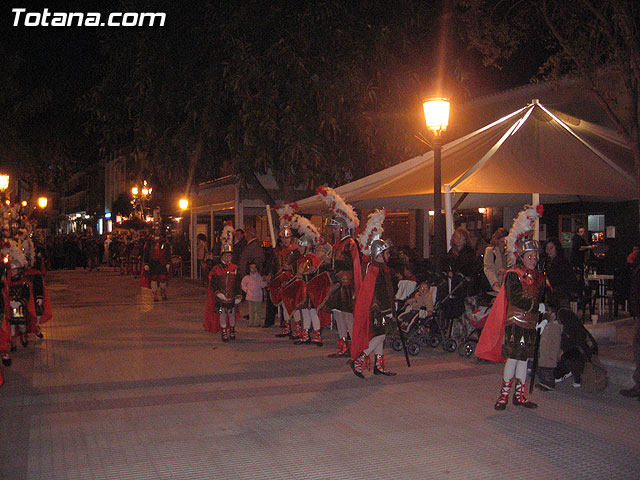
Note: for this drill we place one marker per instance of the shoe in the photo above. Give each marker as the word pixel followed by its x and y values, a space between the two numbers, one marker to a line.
pixel 379 367
pixel 6 360
pixel 577 384
pixel 519 399
pixel 631 392
pixel 564 377
pixel 503 399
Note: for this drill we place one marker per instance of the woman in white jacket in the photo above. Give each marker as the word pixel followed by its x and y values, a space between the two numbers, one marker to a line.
pixel 495 259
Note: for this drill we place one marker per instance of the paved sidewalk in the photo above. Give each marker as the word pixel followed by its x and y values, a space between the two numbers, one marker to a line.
pixel 125 388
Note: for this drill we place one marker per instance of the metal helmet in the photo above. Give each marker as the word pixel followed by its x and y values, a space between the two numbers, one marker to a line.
pixel 338 222
pixel 378 246
pixel 305 241
pixel 286 231
pixel 527 246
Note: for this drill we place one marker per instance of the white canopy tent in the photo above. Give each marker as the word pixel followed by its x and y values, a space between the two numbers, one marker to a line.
pixel 533 150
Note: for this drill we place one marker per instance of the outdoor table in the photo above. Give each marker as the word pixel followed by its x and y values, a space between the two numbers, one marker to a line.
pixel 601 291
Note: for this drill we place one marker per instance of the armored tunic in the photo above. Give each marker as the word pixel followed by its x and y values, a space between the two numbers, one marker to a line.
pixel 524 290
pixel 345 275
pixel 287 260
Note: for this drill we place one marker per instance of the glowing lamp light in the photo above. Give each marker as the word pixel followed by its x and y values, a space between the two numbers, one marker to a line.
pixel 145 191
pixel 7 202
pixel 482 210
pixel 5 259
pixel 436 114
pixel 432 213
pixel 24 203
pixel 118 218
pixel 134 191
pixel 4 182
pixel 183 203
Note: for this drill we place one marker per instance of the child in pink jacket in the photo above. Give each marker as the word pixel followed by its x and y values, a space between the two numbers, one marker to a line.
pixel 252 285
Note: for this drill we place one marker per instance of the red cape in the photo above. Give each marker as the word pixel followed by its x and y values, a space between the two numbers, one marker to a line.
pixel 47 312
pixel 361 312
pixel 211 321
pixel 490 343
pixel 5 328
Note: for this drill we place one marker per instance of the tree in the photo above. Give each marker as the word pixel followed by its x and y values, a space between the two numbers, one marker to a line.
pixel 316 92
pixel 597 41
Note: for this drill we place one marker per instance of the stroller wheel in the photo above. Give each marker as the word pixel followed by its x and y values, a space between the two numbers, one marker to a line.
pixel 450 345
pixel 468 349
pixel 413 348
pixel 396 344
pixel 423 340
pixel 434 341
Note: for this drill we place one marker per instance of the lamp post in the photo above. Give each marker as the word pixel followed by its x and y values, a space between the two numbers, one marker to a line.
pixel 140 195
pixel 42 202
pixel 436 115
pixel 183 204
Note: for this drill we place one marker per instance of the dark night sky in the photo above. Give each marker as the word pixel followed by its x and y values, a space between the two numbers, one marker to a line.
pixel 63 58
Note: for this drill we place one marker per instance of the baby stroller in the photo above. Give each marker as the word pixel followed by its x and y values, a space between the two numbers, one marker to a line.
pixel 424 328
pixel 476 321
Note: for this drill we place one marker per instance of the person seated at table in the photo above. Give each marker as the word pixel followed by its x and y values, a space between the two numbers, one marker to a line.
pixel 563 283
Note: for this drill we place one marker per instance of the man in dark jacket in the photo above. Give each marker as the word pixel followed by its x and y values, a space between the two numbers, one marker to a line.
pixel 251 252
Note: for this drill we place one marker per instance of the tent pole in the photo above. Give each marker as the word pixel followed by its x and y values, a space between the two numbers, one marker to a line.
pixel 426 234
pixel 535 200
pixel 448 212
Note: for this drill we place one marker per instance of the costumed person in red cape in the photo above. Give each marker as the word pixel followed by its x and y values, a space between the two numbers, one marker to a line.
pixel 510 330
pixel 156 265
pixel 35 275
pixel 224 294
pixel 5 329
pixel 22 310
pixel 373 310
pixel 310 289
pixel 287 257
pixel 346 272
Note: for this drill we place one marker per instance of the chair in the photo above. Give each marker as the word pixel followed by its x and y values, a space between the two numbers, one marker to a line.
pixel 621 288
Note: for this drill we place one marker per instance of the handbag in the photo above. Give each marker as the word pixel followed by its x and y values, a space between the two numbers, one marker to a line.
pixel 594 378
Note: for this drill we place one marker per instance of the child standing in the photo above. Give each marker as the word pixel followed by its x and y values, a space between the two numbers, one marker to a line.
pixel 252 285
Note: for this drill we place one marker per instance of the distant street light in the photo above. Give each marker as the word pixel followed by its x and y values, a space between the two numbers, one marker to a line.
pixel 24 203
pixel 183 203
pixel 42 202
pixel 4 182
pixel 436 115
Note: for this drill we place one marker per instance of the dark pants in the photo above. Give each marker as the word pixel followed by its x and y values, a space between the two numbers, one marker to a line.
pixel 271 311
pixel 571 361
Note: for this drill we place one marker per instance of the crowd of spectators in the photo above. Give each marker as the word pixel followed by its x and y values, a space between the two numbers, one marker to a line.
pixel 89 251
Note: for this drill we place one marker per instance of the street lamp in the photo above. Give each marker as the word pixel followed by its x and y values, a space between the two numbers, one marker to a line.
pixel 436 115
pixel 183 203
pixel 4 182
pixel 42 202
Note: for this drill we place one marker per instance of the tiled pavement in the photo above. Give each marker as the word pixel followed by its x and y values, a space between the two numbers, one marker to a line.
pixel 125 388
